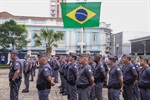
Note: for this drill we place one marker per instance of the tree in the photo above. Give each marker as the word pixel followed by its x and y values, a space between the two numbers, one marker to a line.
pixel 13 36
pixel 50 37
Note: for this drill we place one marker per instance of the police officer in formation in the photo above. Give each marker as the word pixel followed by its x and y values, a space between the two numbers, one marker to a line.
pixel 99 77
pixel 31 68
pixel 26 66
pixel 71 77
pixel 129 76
pixel 115 82
pixel 136 92
pixel 44 80
pixel 15 75
pixel 56 66
pixel 85 79
pixel 144 78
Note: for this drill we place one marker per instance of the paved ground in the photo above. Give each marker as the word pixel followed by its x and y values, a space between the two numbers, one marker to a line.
pixel 32 95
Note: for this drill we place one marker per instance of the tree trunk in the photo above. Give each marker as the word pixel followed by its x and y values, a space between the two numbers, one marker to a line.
pixel 49 51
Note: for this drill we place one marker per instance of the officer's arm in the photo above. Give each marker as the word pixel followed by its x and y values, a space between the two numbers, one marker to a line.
pixel 26 68
pixel 15 74
pixel 91 81
pixel 49 79
pixel 103 75
pixel 121 81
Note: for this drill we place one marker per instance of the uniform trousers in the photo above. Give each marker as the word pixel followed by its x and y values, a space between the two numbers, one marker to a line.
pixel 43 94
pixel 14 90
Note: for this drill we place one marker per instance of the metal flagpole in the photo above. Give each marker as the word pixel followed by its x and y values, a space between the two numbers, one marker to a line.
pixel 82 35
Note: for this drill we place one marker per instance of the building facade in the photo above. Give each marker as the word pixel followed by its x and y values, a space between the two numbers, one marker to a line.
pixel 121 41
pixel 140 45
pixel 96 40
pixel 55 8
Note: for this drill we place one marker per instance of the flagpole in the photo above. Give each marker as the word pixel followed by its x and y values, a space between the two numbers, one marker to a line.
pixel 82 35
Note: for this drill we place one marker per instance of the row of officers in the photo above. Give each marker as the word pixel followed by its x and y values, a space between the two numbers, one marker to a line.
pixel 83 76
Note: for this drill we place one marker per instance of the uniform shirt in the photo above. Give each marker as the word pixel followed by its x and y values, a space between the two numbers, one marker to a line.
pixel 72 70
pixel 93 66
pixel 114 74
pixel 137 66
pixel 128 72
pixel 144 76
pixel 105 65
pixel 66 69
pixel 99 68
pixel 44 71
pixel 15 66
pixel 26 64
pixel 56 65
pixel 84 75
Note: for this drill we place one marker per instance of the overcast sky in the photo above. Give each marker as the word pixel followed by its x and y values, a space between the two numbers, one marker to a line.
pixel 123 15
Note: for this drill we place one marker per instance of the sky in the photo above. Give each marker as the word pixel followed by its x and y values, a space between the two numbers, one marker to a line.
pixel 123 15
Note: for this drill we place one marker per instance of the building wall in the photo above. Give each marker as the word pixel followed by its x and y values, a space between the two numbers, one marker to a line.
pixel 71 42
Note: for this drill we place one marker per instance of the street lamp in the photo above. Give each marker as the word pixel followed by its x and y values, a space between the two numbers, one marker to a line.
pixel 117 47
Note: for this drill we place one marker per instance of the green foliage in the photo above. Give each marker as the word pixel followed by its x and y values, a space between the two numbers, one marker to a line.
pixel 49 36
pixel 13 35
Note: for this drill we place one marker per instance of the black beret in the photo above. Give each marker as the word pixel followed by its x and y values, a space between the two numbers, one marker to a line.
pixel 113 57
pixel 42 54
pixel 14 52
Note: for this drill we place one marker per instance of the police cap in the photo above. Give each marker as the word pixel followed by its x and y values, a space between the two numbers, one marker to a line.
pixel 42 54
pixel 14 52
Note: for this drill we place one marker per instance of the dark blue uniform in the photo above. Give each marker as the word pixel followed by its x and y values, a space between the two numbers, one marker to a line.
pixel 113 83
pixel 136 92
pixel 15 85
pixel 83 83
pixel 144 83
pixel 99 68
pixel 26 75
pixel 43 85
pixel 129 73
pixel 71 80
pixel 56 65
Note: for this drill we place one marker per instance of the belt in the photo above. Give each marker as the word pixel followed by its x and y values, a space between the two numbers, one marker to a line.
pixel 114 86
pixel 83 86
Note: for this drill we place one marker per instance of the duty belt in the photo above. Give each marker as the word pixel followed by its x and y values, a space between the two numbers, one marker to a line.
pixel 83 86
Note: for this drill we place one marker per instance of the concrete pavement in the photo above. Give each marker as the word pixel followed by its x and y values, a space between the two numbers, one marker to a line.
pixel 32 95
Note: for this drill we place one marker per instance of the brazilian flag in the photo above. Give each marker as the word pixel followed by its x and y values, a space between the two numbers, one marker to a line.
pixel 81 14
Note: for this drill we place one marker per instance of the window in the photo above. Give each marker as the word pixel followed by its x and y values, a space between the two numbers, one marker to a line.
pixel 94 38
pixel 79 37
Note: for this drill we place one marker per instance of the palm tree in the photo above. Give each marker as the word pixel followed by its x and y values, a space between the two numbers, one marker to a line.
pixel 50 37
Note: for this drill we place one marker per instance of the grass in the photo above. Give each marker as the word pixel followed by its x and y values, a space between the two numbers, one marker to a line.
pixel 4 65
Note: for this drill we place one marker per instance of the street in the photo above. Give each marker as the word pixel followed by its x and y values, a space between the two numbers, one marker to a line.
pixel 32 95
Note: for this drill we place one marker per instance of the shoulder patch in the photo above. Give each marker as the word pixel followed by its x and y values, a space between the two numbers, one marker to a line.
pixel 46 69
pixel 133 67
pixel 90 70
pixel 118 69
pixel 17 64
pixel 102 66
pixel 137 66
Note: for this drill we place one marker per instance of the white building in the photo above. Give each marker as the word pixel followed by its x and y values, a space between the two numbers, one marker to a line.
pixel 95 39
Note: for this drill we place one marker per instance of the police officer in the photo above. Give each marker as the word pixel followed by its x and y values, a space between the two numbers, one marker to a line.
pixel 144 78
pixel 34 66
pixel 44 80
pixel 99 77
pixel 136 92
pixel 56 65
pixel 92 64
pixel 115 82
pixel 68 57
pixel 71 77
pixel 26 73
pixel 15 75
pixel 129 77
pixel 31 67
pixel 85 79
